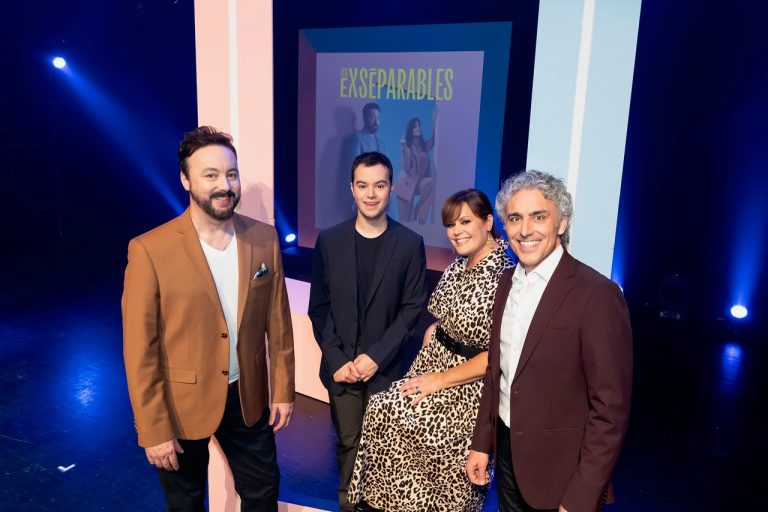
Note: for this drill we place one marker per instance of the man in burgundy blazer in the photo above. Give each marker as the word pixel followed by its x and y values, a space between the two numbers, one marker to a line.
pixel 561 348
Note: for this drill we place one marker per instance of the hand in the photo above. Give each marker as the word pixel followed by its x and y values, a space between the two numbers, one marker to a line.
pixel 347 373
pixel 421 386
pixel 163 455
pixel 561 509
pixel 281 412
pixel 477 468
pixel 366 367
pixel 428 334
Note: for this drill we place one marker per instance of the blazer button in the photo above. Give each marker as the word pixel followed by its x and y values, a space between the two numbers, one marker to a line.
pixel 224 335
pixel 224 372
pixel 515 392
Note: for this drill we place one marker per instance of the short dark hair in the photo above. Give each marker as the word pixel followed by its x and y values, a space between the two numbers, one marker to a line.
pixel 370 106
pixel 477 201
pixel 199 138
pixel 370 159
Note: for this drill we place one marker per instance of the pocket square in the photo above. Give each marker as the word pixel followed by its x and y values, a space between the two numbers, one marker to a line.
pixel 262 271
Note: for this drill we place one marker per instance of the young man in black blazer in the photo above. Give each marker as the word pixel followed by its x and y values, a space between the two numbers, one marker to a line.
pixel 366 296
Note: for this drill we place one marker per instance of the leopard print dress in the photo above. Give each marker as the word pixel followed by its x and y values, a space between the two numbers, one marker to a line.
pixel 412 459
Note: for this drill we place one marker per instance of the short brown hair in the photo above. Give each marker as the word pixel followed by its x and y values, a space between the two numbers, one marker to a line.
pixel 198 138
pixel 476 200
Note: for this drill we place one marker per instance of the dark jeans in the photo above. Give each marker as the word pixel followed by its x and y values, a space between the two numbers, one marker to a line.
pixel 347 411
pixel 510 498
pixel 251 456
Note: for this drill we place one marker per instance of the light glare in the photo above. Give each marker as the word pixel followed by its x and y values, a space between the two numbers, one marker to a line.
pixel 739 311
pixel 59 62
pixel 290 238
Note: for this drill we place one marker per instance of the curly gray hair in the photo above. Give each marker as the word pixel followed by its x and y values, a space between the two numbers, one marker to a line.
pixel 551 187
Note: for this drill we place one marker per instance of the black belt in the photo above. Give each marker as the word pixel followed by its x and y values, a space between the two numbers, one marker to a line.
pixel 454 346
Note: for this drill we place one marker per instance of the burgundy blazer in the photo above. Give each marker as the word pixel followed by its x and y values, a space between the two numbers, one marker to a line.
pixel 569 402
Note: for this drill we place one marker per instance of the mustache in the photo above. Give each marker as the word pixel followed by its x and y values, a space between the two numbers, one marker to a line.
pixel 223 194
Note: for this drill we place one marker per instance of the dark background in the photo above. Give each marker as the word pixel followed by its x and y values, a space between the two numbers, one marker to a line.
pixel 694 184
pixel 78 193
pixel 78 186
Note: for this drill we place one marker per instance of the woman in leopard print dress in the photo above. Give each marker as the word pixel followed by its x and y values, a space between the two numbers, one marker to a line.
pixel 416 435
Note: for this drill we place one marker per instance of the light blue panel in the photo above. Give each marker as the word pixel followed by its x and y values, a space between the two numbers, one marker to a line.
pixel 554 81
pixel 609 88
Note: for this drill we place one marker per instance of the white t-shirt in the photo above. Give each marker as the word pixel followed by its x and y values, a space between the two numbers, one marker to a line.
pixel 223 265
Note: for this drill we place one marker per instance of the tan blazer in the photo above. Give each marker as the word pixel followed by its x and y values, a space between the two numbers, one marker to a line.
pixel 175 338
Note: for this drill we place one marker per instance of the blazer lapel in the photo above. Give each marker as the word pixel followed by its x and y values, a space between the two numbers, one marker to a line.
pixel 382 260
pixel 194 251
pixel 346 256
pixel 556 291
pixel 244 266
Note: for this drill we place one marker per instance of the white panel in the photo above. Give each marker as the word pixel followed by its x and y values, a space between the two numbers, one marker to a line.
pixel 554 81
pixel 233 42
pixel 585 55
pixel 604 132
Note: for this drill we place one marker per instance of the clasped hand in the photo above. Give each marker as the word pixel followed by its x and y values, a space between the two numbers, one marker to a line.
pixel 361 369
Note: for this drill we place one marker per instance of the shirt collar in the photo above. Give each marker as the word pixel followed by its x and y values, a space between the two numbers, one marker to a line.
pixel 544 270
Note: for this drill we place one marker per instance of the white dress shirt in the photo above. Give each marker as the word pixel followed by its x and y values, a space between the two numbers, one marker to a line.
pixel 521 305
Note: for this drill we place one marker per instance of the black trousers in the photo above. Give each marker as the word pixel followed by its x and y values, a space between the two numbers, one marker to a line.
pixel 510 498
pixel 251 455
pixel 347 411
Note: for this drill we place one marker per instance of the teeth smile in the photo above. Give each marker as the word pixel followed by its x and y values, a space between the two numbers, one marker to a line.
pixel 529 243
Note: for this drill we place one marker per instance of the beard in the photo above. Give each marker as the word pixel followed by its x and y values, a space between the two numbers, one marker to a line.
pixel 207 204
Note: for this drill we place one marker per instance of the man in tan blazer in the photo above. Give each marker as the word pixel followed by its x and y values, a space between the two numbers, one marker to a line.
pixel 201 292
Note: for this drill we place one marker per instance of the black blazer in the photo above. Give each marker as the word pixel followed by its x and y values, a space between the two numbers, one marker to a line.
pixel 393 307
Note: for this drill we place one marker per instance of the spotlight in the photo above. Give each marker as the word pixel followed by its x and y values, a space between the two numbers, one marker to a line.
pixel 59 62
pixel 290 238
pixel 739 311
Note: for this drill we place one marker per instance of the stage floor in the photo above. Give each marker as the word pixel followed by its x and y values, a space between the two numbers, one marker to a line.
pixel 697 441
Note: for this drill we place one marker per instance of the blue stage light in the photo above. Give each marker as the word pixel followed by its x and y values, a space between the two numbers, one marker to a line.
pixel 127 130
pixel 739 311
pixel 59 62
pixel 290 238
